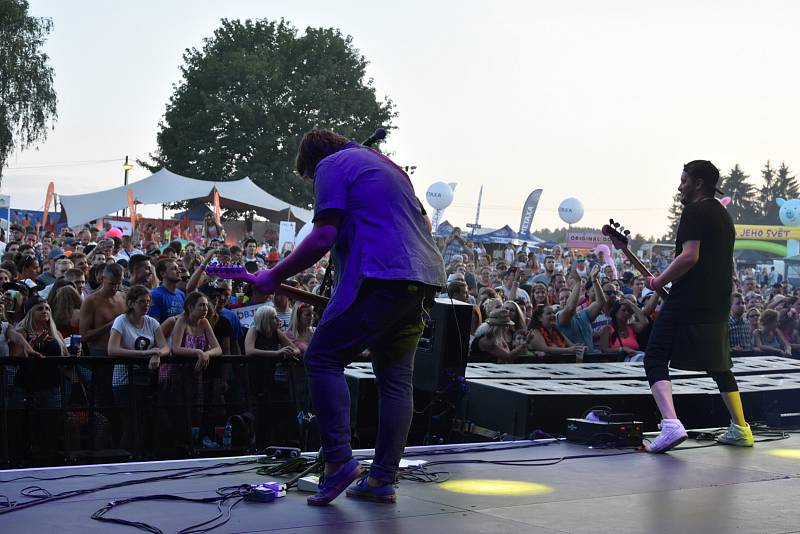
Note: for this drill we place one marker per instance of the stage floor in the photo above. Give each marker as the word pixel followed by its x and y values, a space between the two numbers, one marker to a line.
pixel 711 489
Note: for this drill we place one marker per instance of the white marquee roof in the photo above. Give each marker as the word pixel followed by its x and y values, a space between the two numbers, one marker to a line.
pixel 166 186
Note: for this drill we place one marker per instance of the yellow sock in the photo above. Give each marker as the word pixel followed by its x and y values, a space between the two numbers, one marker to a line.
pixel 733 401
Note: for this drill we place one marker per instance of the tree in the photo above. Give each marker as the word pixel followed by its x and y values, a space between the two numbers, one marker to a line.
pixel 246 99
pixel 766 209
pixel 786 184
pixel 742 206
pixel 674 217
pixel 27 98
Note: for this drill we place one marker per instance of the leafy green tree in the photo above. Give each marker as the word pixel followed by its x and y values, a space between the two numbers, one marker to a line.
pixel 742 207
pixel 246 99
pixel 786 184
pixel 766 209
pixel 27 98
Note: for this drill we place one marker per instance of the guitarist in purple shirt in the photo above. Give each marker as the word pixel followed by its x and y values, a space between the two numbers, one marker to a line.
pixel 386 266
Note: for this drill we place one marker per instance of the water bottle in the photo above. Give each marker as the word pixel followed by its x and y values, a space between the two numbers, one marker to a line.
pixel 226 437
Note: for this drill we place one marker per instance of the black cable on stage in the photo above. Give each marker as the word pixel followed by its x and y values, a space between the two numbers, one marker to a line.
pixel 91 475
pixel 224 513
pixel 46 497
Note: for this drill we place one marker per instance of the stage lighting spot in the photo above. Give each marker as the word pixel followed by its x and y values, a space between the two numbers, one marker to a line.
pixel 789 454
pixel 495 487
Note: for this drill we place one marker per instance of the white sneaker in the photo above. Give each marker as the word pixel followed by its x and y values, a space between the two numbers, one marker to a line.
pixel 672 434
pixel 741 436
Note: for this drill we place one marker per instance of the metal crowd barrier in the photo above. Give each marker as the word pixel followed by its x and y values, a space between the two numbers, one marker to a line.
pixel 64 410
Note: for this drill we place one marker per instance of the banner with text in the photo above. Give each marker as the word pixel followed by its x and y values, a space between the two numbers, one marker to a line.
pixel 528 210
pixel 759 232
pixel 587 240
pixel 246 314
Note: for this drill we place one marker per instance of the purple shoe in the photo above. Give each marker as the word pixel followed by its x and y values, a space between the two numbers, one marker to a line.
pixel 330 487
pixel 362 490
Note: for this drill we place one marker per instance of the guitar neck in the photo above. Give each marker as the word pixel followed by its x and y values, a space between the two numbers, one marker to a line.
pixel 302 296
pixel 636 262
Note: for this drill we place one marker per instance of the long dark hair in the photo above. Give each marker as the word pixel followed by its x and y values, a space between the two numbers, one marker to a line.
pixel 315 146
pixel 190 301
pixel 536 317
pixel 616 327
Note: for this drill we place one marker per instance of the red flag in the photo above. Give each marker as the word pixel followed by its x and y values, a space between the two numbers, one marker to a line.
pixel 48 199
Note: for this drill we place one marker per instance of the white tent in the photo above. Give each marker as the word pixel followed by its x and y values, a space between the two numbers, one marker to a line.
pixel 166 186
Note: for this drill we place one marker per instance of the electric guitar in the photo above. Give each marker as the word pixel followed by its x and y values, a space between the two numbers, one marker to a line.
pixel 619 237
pixel 238 272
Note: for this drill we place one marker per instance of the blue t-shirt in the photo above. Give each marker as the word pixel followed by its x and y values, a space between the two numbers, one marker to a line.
pixel 165 304
pixel 383 231
pixel 579 330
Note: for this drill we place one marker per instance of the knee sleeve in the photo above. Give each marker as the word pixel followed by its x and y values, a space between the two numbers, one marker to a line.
pixel 655 369
pixel 725 380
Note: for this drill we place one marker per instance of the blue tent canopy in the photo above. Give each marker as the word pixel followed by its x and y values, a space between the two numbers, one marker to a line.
pixel 501 235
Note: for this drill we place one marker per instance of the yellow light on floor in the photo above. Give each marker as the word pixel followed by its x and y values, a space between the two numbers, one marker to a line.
pixel 789 454
pixel 495 487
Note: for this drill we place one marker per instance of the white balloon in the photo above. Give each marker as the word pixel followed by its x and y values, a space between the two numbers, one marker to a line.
pixel 439 195
pixel 570 210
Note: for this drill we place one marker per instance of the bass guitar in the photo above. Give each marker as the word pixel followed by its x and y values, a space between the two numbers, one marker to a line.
pixel 619 238
pixel 238 272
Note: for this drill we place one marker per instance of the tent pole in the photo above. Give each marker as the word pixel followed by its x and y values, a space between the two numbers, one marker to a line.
pixel 163 235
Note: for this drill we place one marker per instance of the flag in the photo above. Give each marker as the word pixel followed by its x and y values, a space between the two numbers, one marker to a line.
pixel 217 210
pixel 48 199
pixel 527 213
pixel 132 210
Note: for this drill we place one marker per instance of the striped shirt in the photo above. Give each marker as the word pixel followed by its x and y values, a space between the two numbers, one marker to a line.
pixel 740 334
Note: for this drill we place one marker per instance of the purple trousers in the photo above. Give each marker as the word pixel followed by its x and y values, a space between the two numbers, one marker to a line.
pixel 386 317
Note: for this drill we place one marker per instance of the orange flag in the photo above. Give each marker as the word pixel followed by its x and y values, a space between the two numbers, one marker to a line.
pixel 48 199
pixel 132 209
pixel 217 210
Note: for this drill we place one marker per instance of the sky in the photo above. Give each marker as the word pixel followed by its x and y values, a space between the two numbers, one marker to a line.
pixel 602 101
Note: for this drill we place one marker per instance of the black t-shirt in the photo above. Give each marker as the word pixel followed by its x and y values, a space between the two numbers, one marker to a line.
pixel 704 293
pixel 223 329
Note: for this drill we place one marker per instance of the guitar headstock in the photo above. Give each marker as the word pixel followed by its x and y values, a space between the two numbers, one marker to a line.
pixel 230 272
pixel 617 233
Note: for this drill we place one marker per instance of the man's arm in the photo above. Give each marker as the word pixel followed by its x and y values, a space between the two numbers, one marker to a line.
pixel 309 251
pixel 599 295
pixel 565 315
pixel 199 272
pixel 680 266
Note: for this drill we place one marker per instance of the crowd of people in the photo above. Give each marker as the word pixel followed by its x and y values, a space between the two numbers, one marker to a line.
pixel 87 294
pixel 531 303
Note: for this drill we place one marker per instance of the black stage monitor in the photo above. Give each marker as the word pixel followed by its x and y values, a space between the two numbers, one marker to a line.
pixel 444 346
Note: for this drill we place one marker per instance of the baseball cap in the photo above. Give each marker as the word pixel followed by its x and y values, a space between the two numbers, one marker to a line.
pixel 31 302
pixel 704 170
pixel 210 289
pixel 55 253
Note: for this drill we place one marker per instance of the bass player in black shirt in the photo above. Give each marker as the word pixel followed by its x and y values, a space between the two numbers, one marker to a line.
pixel 691 331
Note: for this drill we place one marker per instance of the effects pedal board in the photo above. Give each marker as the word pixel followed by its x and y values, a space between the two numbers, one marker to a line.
pixel 592 432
